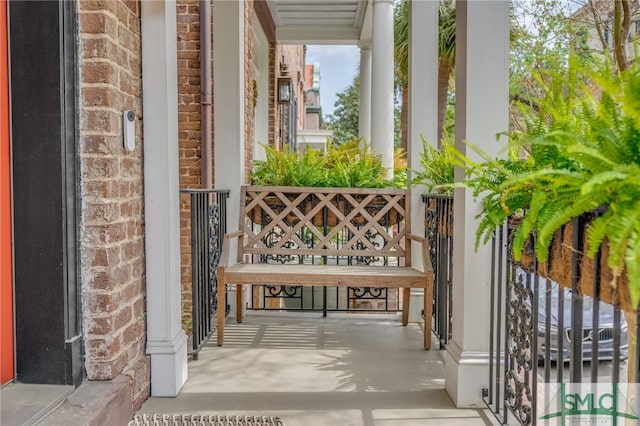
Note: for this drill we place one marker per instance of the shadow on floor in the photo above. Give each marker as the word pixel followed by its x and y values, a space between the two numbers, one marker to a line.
pixel 346 370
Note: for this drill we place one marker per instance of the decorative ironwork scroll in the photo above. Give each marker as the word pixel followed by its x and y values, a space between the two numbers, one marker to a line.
pixel 519 348
pixel 215 247
pixel 207 210
pixel 439 232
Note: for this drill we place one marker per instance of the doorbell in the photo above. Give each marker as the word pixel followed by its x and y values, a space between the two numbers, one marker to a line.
pixel 129 130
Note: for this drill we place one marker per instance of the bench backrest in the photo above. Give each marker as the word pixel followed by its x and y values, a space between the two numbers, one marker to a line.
pixel 297 221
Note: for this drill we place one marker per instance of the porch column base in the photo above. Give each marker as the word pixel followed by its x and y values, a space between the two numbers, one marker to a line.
pixel 416 305
pixel 168 365
pixel 466 373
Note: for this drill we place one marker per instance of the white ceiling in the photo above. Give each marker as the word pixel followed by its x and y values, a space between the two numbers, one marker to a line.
pixel 320 21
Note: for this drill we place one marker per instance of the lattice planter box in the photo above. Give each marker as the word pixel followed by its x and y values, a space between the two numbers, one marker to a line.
pixel 439 211
pixel 568 256
pixel 325 206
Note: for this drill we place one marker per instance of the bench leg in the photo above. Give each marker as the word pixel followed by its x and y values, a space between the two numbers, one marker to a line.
pixel 406 297
pixel 221 311
pixel 428 312
pixel 239 302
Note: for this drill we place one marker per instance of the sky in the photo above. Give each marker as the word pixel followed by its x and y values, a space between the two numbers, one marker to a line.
pixel 338 65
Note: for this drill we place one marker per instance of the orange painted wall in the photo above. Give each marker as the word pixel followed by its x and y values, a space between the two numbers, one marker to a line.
pixel 6 285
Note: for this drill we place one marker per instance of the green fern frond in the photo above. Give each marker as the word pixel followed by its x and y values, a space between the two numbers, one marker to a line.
pixel 591 157
pixel 632 262
pixel 527 225
pixel 597 231
pixel 620 229
pixel 556 214
pixel 602 179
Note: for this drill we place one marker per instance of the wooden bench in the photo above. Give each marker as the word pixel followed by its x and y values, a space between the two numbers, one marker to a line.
pixel 324 237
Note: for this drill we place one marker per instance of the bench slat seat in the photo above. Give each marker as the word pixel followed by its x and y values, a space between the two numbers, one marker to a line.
pixel 334 275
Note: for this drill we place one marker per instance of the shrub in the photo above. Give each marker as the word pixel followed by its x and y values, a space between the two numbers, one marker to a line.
pixel 348 165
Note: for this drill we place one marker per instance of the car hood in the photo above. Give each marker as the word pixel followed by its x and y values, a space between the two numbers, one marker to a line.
pixel 605 310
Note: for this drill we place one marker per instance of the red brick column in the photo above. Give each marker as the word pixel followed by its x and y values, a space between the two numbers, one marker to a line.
pixel 188 46
pixel 249 108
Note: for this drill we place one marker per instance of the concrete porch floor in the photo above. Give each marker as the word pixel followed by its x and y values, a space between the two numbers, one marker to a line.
pixel 342 370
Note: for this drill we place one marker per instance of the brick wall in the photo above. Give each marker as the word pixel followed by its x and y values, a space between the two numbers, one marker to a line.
pixel 112 253
pixel 294 57
pixel 274 138
pixel 188 47
pixel 249 109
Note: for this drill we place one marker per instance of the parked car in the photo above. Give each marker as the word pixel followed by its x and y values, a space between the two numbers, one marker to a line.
pixel 605 326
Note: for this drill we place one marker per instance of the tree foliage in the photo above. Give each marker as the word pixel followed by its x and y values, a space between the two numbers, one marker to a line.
pixel 546 31
pixel 544 34
pixel 345 118
pixel 446 56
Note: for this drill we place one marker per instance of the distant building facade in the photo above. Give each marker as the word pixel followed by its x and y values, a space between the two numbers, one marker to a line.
pixel 598 17
pixel 313 134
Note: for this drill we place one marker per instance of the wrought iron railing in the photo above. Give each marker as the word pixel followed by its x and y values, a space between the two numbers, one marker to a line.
pixel 537 310
pixel 208 225
pixel 325 299
pixel 343 239
pixel 439 232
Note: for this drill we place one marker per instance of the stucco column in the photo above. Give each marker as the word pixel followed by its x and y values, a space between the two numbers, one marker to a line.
pixel 364 120
pixel 166 341
pixel 422 114
pixel 382 83
pixel 228 107
pixel 482 100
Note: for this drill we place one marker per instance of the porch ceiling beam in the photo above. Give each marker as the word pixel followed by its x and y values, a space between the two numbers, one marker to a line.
pixel 266 19
pixel 346 16
pixel 318 9
pixel 322 7
pixel 318 21
pixel 313 34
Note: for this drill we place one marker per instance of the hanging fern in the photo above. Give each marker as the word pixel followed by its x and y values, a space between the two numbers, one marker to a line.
pixel 579 151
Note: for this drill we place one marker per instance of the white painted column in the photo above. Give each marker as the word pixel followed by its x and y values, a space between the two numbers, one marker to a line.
pixel 482 99
pixel 166 341
pixel 422 115
pixel 382 83
pixel 364 121
pixel 228 108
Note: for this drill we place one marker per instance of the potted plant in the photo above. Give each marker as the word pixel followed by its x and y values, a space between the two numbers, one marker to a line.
pixel 345 166
pixel 285 168
pixel 436 174
pixel 437 166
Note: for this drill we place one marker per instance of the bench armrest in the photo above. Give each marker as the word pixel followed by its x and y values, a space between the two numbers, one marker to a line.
pixel 426 251
pixel 226 246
